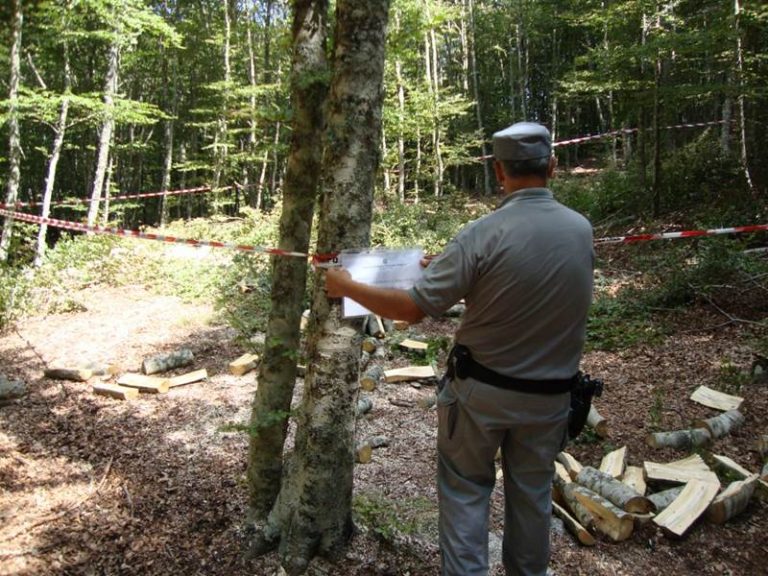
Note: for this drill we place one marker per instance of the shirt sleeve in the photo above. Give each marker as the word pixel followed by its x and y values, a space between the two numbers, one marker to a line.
pixel 447 279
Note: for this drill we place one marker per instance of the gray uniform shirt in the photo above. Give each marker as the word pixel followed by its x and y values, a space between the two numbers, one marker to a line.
pixel 525 273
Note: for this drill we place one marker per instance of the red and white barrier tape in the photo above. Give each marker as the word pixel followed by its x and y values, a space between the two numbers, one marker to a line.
pixel 684 234
pixel 612 133
pixel 326 259
pixel 198 190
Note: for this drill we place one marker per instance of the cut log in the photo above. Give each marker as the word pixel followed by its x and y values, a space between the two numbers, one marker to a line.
pixel 732 501
pixel 732 467
pixel 614 462
pixel 597 422
pixel 364 405
pixel 304 322
pixel 692 502
pixel 116 391
pixel 680 471
pixel 188 378
pixel 370 344
pixel 634 477
pixel 11 389
pixel 76 374
pixel 375 327
pixel 571 464
pixel 761 446
pixel 609 519
pixel 723 424
pixel 664 498
pixel 562 474
pixel 400 324
pixel 414 346
pixel 617 492
pixel 244 364
pixel 573 526
pixel 679 439
pixel 566 491
pixel 150 384
pixel 102 369
pixel 364 450
pixel 409 373
pixel 371 378
pixel 717 400
pixel 164 362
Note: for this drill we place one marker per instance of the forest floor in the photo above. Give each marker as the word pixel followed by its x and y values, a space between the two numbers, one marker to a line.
pixel 155 486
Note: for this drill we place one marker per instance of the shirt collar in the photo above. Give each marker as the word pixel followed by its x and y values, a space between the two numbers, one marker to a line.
pixel 525 194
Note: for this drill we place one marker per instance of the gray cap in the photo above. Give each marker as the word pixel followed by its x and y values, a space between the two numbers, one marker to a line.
pixel 522 141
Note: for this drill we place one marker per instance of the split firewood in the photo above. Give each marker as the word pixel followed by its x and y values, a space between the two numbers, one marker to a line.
pixel 597 422
pixel 717 400
pixel 723 424
pixel 692 502
pixel 389 325
pixel 680 471
pixel 371 378
pixel 76 374
pixel 679 439
pixel 304 322
pixel 732 501
pixel 364 450
pixel 664 498
pixel 614 462
pixel 164 362
pixel 564 488
pixel 634 477
pixel 364 405
pixel 375 327
pixel 573 525
pixel 188 378
pixel 400 324
pixel 143 383
pixel 609 519
pixel 244 364
pixel 561 473
pixel 116 391
pixel 571 464
pixel 409 373
pixel 414 346
pixel 618 493
pixel 725 463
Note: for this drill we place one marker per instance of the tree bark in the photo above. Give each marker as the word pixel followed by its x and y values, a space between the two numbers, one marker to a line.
pixel 487 185
pixel 277 374
pixel 14 137
pixel 312 514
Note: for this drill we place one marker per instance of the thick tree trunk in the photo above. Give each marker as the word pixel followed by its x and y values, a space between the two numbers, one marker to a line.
pixel 107 128
pixel 278 368
pixel 14 137
pixel 313 512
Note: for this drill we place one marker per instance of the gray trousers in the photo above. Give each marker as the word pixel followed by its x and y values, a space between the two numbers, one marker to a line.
pixel 474 420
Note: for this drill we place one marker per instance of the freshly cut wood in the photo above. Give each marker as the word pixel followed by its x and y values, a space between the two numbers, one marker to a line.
pixel 151 384
pixel 571 464
pixel 364 450
pixel 375 326
pixel 723 424
pixel 664 498
pixel 725 463
pixel 562 473
pixel 634 477
pixel 573 525
pixel 680 471
pixel 409 373
pixel 244 364
pixel 717 400
pixel 414 345
pixel 75 374
pixel 732 501
pixel 617 492
pixel 400 324
pixel 115 391
pixel 188 378
pixel 597 422
pixel 164 362
pixel 370 344
pixel 692 502
pixel 565 490
pixel 364 405
pixel 680 439
pixel 609 519
pixel 304 322
pixel 614 462
pixel 102 369
pixel 371 378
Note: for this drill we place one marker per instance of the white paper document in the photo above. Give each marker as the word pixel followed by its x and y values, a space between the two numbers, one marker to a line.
pixel 385 268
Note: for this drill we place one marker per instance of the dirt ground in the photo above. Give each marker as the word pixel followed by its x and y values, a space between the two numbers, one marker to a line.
pixel 94 485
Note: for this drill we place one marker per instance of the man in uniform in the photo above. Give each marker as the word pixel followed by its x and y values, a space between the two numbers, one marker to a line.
pixel 525 273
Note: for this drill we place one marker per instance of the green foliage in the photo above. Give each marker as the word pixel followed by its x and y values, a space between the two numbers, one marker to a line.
pixel 656 411
pixel 732 378
pixel 607 195
pixel 392 519
pixel 619 322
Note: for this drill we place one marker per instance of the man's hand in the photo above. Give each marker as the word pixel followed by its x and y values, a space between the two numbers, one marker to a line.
pixel 337 281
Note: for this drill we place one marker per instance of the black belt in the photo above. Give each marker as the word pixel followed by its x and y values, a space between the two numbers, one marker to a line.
pixel 461 364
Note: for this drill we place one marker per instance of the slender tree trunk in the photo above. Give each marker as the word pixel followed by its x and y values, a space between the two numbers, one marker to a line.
pixel 171 101
pixel 384 168
pixel 221 138
pixel 487 181
pixel 742 108
pixel 400 131
pixel 437 132
pixel 656 184
pixel 278 368
pixel 108 184
pixel 312 514
pixel 250 177
pixel 14 137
